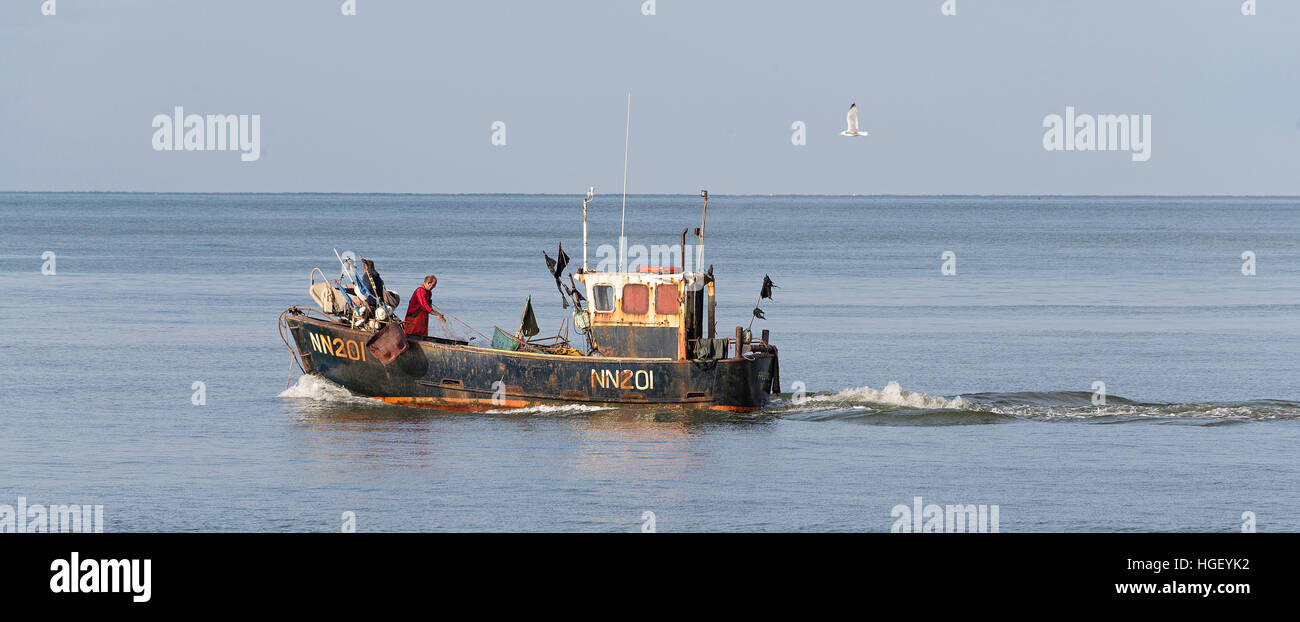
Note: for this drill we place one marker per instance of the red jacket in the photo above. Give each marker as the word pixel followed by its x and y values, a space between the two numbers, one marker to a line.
pixel 417 313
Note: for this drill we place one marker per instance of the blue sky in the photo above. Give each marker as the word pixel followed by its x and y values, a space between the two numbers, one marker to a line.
pixel 402 96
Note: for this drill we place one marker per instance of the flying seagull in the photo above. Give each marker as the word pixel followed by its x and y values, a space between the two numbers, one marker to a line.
pixel 853 123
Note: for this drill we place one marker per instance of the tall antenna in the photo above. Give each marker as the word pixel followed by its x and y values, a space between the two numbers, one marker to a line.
pixel 590 192
pixel 627 134
pixel 699 261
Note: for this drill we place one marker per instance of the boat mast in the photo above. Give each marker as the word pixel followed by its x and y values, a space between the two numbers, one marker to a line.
pixel 627 134
pixel 699 261
pixel 590 192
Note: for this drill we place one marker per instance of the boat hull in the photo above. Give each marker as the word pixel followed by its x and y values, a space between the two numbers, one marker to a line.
pixel 450 376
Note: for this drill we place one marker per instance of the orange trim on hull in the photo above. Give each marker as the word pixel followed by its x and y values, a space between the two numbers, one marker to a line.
pixel 734 409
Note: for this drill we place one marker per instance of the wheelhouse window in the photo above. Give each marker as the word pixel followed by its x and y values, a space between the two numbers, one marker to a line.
pixel 603 298
pixel 666 299
pixel 636 299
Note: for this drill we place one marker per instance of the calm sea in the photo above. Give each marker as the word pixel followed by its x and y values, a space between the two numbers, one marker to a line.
pixel 970 388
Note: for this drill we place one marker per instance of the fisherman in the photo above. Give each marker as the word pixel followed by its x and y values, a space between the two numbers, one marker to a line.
pixel 419 308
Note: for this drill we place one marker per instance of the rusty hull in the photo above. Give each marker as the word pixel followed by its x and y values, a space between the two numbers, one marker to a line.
pixel 438 374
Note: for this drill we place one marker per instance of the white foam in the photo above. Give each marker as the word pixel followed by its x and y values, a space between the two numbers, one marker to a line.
pixel 548 409
pixel 891 395
pixel 1152 411
pixel 311 387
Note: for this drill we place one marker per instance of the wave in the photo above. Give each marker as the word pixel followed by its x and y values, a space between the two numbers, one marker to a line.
pixel 900 417
pixel 890 405
pixel 894 406
pixel 891 395
pixel 316 388
pixel 1124 411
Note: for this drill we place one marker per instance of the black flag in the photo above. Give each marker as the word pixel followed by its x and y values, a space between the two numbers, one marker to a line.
pixel 556 268
pixel 767 288
pixel 528 322
pixel 562 261
pixel 758 313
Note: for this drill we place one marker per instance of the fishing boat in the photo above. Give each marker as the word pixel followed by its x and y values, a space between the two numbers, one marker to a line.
pixel 649 332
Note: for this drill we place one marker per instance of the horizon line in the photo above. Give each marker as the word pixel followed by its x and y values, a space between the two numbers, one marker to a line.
pixel 663 194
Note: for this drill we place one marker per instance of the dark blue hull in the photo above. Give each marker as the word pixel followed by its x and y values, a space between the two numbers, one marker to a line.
pixel 444 375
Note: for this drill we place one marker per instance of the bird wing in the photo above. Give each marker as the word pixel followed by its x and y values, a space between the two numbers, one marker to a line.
pixel 853 118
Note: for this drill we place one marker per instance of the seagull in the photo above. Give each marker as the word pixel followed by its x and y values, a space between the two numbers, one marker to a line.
pixel 853 123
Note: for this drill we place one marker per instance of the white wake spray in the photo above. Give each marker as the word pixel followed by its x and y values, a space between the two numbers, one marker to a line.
pixel 311 387
pixel 546 409
pixel 891 395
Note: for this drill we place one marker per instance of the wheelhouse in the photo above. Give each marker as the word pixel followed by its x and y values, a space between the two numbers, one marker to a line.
pixel 651 313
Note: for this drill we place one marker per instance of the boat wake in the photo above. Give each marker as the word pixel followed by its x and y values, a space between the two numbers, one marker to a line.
pixel 894 406
pixel 315 388
pixel 891 395
pixel 1077 406
pixel 888 406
